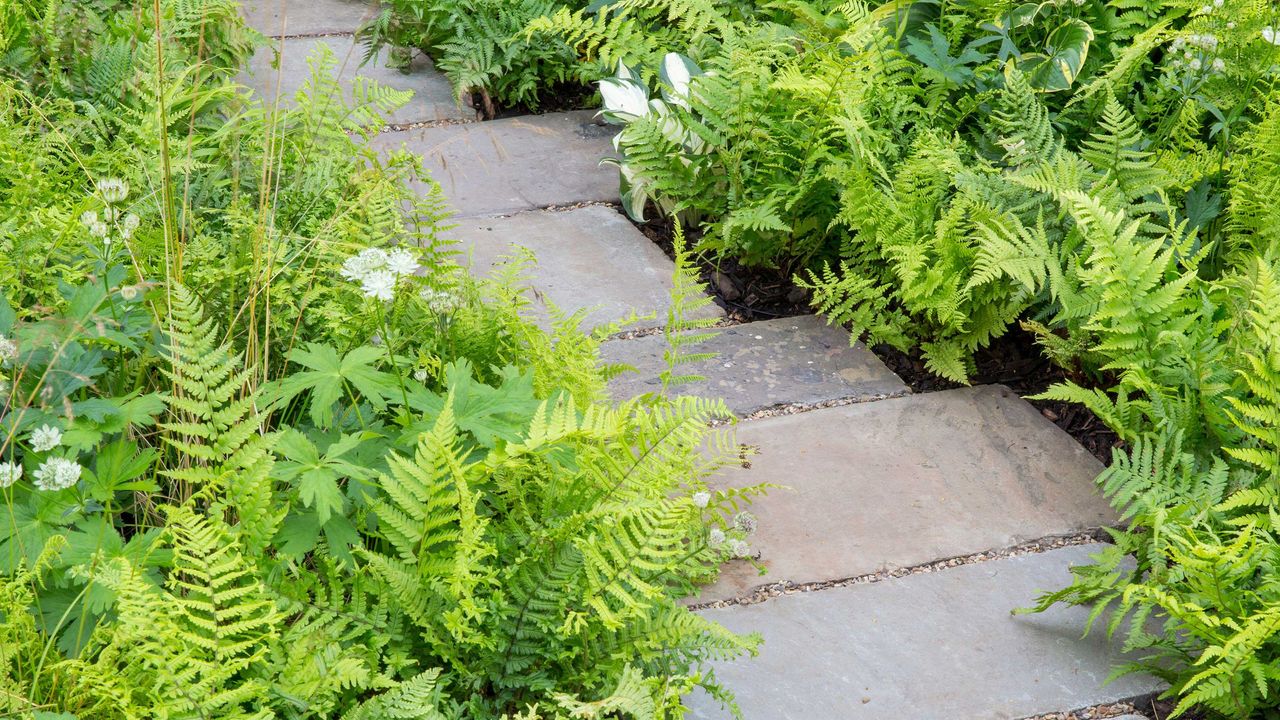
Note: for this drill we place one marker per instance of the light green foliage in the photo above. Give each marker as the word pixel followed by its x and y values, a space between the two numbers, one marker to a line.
pixel 267 451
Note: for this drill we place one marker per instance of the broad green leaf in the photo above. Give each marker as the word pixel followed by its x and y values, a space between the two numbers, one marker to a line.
pixel 1065 53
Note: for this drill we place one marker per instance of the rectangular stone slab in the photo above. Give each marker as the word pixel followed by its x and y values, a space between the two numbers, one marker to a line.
pixel 762 364
pixel 307 17
pixel 432 94
pixel 906 481
pixel 516 164
pixel 590 257
pixel 933 646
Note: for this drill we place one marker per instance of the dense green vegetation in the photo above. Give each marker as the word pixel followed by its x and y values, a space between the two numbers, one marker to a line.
pixel 267 451
pixel 1103 172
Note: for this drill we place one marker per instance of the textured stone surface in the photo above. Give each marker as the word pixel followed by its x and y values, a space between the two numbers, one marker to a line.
pixel 932 646
pixel 432 94
pixel 590 257
pixel 516 164
pixel 763 364
pixel 307 17
pixel 902 482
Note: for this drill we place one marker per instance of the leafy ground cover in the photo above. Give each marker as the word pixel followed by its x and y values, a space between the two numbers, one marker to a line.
pixel 269 452
pixel 1101 174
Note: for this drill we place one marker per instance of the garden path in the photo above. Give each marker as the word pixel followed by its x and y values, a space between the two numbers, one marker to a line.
pixel 911 524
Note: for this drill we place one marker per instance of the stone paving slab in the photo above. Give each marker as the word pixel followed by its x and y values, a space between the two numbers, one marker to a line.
pixel 932 646
pixel 432 94
pixel 762 364
pixel 307 17
pixel 516 164
pixel 902 482
pixel 589 257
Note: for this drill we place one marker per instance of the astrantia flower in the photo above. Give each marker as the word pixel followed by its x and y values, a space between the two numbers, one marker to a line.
pixel 700 499
pixel 10 473
pixel 129 292
pixel 420 375
pixel 45 438
pixel 88 218
pixel 379 285
pixel 439 301
pixel 113 190
pixel 57 474
pixel 402 262
pixel 129 224
pixel 745 522
pixel 1219 65
pixel 360 265
pixel 8 350
pixel 715 538
pixel 739 548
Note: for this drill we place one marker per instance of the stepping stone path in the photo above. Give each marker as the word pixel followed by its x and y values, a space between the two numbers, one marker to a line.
pixel 908 527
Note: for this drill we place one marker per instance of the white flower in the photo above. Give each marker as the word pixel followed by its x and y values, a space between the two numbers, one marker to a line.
pixel 8 350
pixel 358 266
pixel 1195 64
pixel 1269 34
pixel 129 292
pixel 113 190
pixel 1219 65
pixel 402 262
pixel 89 218
pixel 57 474
pixel 45 438
pixel 1231 25
pixel 130 224
pixel 745 521
pixel 739 548
pixel 1206 9
pixel 715 538
pixel 10 473
pixel 701 499
pixel 420 375
pixel 379 285
pixel 439 301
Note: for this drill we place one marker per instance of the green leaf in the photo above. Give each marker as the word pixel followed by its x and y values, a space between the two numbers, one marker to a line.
pixel 1066 50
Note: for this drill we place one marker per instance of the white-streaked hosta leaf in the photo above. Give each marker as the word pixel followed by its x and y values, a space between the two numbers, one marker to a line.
pixel 676 74
pixel 624 99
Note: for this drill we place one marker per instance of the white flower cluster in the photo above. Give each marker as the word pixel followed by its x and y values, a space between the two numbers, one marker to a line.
pixel 57 474
pixel 113 192
pixel 701 499
pixel 8 350
pixel 439 301
pixel 1197 52
pixel 10 473
pixel 45 438
pixel 377 270
pixel 744 523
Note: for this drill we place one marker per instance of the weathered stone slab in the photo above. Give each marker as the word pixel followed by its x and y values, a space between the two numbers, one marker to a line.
pixel 762 364
pixel 307 17
pixel 933 646
pixel 516 164
pixel 906 481
pixel 432 94
pixel 589 257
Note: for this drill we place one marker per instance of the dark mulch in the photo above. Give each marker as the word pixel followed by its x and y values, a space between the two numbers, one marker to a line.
pixel 1014 360
pixel 560 97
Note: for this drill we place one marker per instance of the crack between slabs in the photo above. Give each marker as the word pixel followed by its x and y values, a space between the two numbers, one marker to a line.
pixel 310 36
pixel 1101 711
pixel 763 593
